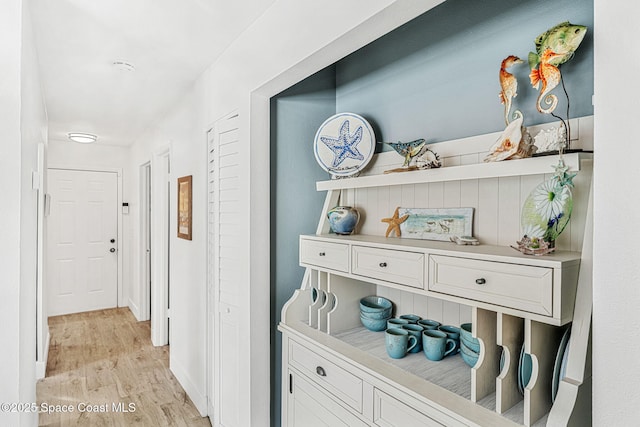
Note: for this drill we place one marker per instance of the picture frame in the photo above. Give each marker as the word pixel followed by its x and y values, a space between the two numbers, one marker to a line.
pixel 185 207
pixel 436 223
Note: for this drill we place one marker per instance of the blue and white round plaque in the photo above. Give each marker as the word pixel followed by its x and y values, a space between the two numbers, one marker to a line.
pixel 344 144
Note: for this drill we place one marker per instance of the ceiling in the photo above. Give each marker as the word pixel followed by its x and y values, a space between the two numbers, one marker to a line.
pixel 170 43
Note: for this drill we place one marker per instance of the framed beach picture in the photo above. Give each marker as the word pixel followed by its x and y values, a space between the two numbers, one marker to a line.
pixel 184 207
pixel 436 224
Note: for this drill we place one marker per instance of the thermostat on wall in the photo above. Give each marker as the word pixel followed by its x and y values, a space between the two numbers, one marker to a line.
pixel 125 208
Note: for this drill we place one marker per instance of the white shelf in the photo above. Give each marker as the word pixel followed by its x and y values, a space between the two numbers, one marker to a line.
pixel 529 166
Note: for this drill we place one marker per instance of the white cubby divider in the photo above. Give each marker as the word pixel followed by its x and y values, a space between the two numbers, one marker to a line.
pixel 483 375
pixel 510 336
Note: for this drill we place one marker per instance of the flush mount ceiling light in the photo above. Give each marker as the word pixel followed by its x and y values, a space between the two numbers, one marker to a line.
pixel 124 66
pixel 83 138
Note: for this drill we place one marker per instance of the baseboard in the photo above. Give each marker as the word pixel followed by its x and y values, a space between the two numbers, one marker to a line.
pixel 135 310
pixel 198 399
pixel 41 365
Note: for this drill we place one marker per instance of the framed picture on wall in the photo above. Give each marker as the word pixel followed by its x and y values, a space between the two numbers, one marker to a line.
pixel 184 207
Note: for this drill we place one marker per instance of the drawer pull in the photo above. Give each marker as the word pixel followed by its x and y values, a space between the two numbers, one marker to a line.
pixel 321 254
pixel 481 281
pixel 320 371
pixel 383 264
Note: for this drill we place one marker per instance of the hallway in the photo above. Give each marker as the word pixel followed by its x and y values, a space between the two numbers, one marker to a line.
pixel 103 366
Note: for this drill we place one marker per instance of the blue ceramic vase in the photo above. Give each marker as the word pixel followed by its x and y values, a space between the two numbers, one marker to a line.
pixel 343 219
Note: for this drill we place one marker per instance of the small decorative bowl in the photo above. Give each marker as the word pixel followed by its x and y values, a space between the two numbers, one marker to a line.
pixel 374 324
pixel 376 315
pixel 467 338
pixel 374 303
pixel 469 357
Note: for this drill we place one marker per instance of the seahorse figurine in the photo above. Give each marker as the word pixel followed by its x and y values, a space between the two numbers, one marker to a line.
pixel 549 75
pixel 509 85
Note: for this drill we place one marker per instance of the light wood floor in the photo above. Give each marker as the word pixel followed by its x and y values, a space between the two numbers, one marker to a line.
pixel 105 357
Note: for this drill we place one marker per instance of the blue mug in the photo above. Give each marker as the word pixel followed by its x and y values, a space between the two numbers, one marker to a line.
pixel 416 331
pixel 436 344
pixel 399 342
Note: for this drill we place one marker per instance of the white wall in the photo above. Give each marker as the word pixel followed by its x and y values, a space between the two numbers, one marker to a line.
pixel 10 166
pixel 23 126
pixel 71 155
pixel 616 287
pixel 182 131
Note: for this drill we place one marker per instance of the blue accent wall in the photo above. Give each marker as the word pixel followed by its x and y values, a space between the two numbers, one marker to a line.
pixel 435 77
pixel 296 115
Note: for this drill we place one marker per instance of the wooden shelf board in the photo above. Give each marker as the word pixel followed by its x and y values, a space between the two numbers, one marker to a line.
pixel 529 166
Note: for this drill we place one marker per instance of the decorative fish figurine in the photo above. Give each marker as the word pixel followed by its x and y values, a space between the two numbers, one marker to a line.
pixel 563 39
pixel 408 150
pixel 509 84
pixel 549 75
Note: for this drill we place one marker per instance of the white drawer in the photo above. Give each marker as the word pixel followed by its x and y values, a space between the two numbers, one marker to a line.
pixel 519 287
pixel 405 268
pixel 334 256
pixel 391 412
pixel 336 380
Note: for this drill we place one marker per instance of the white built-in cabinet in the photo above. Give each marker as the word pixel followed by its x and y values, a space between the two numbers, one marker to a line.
pixel 336 372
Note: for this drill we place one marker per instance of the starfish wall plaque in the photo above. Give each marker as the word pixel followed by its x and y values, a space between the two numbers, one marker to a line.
pixel 394 223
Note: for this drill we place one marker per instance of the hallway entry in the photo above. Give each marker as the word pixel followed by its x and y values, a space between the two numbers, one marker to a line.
pixel 82 245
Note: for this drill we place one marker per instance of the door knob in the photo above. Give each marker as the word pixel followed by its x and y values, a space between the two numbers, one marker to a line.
pixel 112 240
pixel 112 250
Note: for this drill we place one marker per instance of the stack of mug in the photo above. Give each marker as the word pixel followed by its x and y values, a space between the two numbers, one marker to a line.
pixel 410 334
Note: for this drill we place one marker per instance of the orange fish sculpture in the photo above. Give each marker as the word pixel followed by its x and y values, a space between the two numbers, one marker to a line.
pixel 509 85
pixel 548 76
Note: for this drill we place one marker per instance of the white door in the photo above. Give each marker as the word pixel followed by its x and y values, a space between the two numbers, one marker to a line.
pixel 81 241
pixel 226 259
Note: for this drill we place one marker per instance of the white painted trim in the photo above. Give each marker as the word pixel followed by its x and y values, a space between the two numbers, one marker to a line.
pixel 122 298
pixel 198 399
pixel 143 282
pixel 159 246
pixel 41 365
pixel 135 311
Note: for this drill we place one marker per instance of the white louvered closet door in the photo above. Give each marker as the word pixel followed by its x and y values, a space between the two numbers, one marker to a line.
pixel 224 263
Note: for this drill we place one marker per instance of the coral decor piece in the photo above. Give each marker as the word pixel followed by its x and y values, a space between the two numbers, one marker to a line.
pixel 394 223
pixel 509 86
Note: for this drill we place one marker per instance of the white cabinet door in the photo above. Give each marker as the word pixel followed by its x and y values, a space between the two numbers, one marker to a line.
pixel 309 407
pixel 81 241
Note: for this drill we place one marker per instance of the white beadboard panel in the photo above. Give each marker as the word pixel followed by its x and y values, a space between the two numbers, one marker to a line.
pixel 436 195
pixel 488 211
pixel 508 209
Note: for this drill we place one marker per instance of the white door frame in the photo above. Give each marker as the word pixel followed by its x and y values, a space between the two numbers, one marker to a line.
pixel 160 223
pixel 42 326
pixel 144 175
pixel 122 298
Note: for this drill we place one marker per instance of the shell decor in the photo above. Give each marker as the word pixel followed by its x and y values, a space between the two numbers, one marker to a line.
pixel 514 143
pixel 550 139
